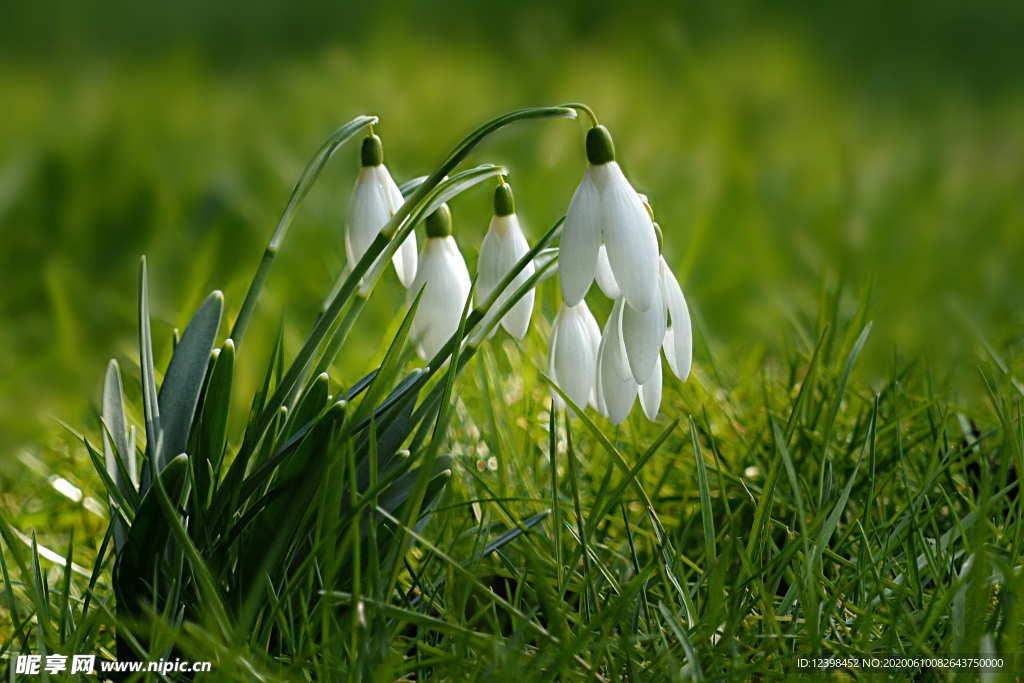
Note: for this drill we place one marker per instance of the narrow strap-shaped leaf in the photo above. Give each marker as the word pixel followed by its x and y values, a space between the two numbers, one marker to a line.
pixel 384 245
pixel 116 448
pixel 436 189
pixel 306 181
pixel 149 531
pixel 179 392
pixel 851 360
pixel 494 546
pixel 391 365
pixel 514 533
pixel 213 422
pixel 312 402
pixel 115 443
pixel 229 486
pixel 403 487
pixel 150 403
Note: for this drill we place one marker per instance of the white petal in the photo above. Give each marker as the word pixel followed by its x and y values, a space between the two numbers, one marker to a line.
pixel 395 198
pixel 404 258
pixel 678 344
pixel 444 278
pixel 556 399
pixel 597 398
pixel 605 277
pixel 643 333
pixel 668 347
pixel 368 210
pixel 629 237
pixel 591 326
pixel 572 360
pixel 650 393
pixel 616 386
pixel 503 246
pixel 594 336
pixel 581 237
pixel 517 321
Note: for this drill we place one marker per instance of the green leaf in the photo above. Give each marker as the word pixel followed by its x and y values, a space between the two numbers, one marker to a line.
pixel 115 437
pixel 116 445
pixel 150 403
pixel 40 593
pixel 306 181
pixel 391 365
pixel 143 551
pixel 310 405
pixel 179 392
pixel 402 488
pixel 213 419
pixel 706 512
pixel 382 246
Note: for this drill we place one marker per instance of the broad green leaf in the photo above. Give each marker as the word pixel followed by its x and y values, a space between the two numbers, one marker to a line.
pixel 115 437
pixel 183 381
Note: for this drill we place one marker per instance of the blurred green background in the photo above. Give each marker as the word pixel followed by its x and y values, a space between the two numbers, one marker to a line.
pixel 790 149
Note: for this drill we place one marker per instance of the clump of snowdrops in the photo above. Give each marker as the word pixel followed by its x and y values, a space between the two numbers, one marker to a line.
pixel 311 508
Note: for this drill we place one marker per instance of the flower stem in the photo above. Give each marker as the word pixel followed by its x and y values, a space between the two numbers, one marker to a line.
pixel 309 176
pixel 423 200
pixel 580 107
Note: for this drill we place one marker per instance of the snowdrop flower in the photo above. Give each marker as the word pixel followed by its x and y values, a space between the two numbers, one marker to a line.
pixel 572 356
pixel 375 199
pixel 503 246
pixel 607 210
pixel 444 279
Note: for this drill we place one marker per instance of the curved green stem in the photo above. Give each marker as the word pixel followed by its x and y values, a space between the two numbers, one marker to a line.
pixel 299 192
pixel 580 107
pixel 426 197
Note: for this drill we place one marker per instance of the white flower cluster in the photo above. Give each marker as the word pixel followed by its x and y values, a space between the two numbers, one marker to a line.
pixel 609 235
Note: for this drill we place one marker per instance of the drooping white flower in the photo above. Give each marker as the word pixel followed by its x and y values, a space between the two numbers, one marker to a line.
pixel 607 210
pixel 503 246
pixel 572 355
pixel 375 199
pixel 444 279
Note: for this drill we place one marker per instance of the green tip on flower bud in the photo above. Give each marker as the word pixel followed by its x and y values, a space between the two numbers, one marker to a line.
pixel 439 223
pixel 504 202
pixel 600 148
pixel 661 238
pixel 373 151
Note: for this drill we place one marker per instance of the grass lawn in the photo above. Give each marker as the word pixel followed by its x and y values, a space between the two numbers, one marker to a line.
pixel 837 480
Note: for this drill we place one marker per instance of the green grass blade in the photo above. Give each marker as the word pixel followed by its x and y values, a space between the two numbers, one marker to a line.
pixel 150 402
